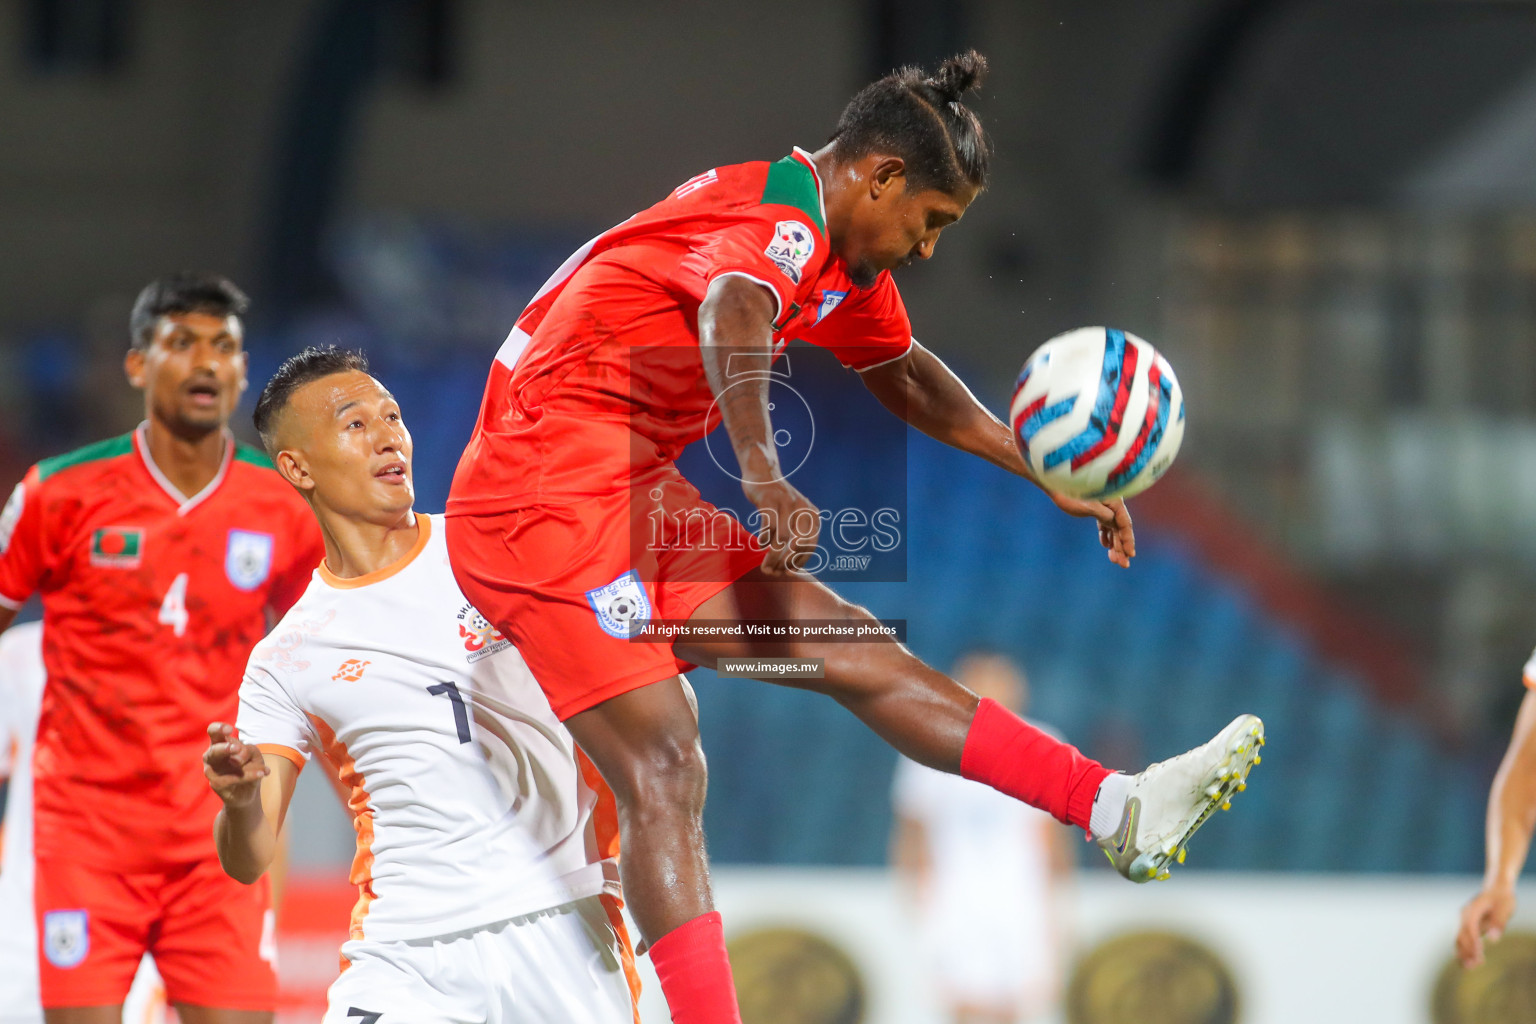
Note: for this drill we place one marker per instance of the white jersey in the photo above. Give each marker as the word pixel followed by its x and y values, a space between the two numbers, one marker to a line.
pixel 21 688
pixel 987 917
pixel 469 801
pixel 21 691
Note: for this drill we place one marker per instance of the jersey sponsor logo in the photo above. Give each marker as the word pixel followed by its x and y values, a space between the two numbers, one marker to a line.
pixel 248 558
pixel 10 515
pixel 481 639
pixel 791 248
pixel 350 671
pixel 117 547
pixel 830 300
pixel 66 937
pixel 621 606
pixel 695 183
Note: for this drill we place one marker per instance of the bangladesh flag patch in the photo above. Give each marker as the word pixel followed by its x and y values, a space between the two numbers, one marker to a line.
pixel 117 547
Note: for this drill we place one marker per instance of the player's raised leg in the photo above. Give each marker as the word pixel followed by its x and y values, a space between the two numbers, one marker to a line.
pixel 1142 822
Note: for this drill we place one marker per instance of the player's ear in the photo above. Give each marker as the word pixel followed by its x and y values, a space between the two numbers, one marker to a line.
pixel 889 174
pixel 294 468
pixel 133 366
pixel 245 364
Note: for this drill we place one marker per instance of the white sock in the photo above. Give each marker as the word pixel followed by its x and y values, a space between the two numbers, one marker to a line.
pixel 1109 805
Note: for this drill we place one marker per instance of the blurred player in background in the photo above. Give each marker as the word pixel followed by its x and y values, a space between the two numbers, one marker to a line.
pixel 984 871
pixel 21 688
pixel 657 331
pixel 487 887
pixel 1511 820
pixel 161 556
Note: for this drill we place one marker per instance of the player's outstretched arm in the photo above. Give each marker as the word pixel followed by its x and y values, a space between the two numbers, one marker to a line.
pixel 1511 819
pixel 923 391
pixel 255 802
pixel 736 346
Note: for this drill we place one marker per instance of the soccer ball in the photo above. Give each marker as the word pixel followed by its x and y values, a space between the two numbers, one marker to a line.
pixel 1098 414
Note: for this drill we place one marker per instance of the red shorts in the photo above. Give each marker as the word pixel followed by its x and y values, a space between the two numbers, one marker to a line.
pixel 212 937
pixel 563 581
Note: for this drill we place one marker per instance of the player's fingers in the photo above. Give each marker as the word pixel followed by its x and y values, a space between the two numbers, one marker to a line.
pixel 1469 948
pixel 1469 939
pixel 218 732
pixel 802 545
pixel 1126 545
pixel 1102 512
pixel 1124 528
pixel 774 560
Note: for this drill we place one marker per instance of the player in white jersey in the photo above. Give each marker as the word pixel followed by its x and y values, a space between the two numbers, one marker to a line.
pixel 21 691
pixel 984 871
pixel 486 844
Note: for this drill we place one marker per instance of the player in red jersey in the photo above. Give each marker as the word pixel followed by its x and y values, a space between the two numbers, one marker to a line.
pixel 162 557
pixel 645 340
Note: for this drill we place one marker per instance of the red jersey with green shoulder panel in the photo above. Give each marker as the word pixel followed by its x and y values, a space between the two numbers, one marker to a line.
pixel 152 602
pixel 606 358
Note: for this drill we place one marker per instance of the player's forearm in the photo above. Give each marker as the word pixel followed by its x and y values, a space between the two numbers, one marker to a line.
pixel 245 840
pixel 931 398
pixel 736 347
pixel 7 616
pixel 1512 803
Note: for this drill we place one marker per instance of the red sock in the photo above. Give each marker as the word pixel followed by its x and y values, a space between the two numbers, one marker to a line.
pixel 695 973
pixel 1013 757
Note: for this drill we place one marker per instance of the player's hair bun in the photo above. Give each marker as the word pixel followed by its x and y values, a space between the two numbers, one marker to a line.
pixel 958 75
pixel 919 117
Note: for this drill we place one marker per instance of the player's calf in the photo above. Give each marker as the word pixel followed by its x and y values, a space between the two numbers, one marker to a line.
pixel 646 744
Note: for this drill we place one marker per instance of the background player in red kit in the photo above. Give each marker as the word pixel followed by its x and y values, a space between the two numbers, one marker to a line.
pixel 642 342
pixel 162 557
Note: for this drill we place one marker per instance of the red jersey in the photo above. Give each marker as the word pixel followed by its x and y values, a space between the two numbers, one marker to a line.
pixel 602 373
pixel 151 604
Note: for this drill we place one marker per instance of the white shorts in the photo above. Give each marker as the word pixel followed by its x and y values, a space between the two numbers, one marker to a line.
pixel 987 959
pixel 564 964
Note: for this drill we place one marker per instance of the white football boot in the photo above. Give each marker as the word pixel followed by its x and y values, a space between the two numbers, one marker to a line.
pixel 1168 801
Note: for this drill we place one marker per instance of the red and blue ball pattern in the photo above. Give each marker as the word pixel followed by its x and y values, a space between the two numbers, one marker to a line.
pixel 1097 413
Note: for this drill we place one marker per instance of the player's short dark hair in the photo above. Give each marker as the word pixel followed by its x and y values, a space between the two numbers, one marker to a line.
pixel 314 362
pixel 919 117
pixel 184 292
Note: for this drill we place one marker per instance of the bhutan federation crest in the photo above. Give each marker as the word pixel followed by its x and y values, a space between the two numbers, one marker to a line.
pixel 481 639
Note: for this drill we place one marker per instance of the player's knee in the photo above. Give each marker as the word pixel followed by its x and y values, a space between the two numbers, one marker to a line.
pixel 852 659
pixel 667 778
